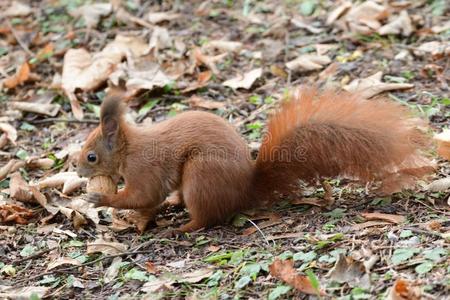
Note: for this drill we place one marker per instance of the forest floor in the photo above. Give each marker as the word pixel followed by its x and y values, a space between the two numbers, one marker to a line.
pixel 237 59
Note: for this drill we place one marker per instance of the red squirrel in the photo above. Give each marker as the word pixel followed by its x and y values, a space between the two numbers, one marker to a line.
pixel 203 158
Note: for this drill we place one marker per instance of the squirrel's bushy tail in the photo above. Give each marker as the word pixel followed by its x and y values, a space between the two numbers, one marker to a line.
pixel 333 134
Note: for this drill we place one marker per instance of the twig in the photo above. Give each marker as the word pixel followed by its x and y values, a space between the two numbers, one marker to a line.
pixel 19 41
pixel 49 120
pixel 259 230
pixel 38 254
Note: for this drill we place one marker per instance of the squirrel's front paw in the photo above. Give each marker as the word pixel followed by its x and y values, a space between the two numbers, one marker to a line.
pixel 94 198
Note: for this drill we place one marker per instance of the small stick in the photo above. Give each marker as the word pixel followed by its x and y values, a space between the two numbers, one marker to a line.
pixel 49 120
pixel 38 254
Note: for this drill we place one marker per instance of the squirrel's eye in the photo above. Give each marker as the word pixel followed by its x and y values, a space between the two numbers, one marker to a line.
pixel 92 157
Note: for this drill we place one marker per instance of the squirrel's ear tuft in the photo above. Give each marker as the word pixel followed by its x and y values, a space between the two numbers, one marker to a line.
pixel 111 114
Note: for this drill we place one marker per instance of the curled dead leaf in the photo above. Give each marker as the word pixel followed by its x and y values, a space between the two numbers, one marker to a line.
pixel 284 270
pixel 92 13
pixel 21 76
pixel 372 85
pixel 308 62
pixel 19 189
pixel 198 102
pixel 105 247
pixel 63 261
pixel 351 271
pixel 404 290
pixel 17 9
pixel 12 166
pixel 10 131
pixel 223 45
pixel 401 24
pixel 39 108
pixel 244 81
pixel 14 213
pixel 396 219
pixel 158 17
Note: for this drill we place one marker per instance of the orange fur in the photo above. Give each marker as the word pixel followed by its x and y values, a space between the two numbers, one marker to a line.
pixel 202 157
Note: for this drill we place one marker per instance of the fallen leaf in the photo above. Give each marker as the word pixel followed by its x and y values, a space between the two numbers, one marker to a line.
pixel 92 13
pixel 28 292
pixel 177 264
pixel 45 52
pixel 396 219
pixel 196 276
pixel 157 284
pixel 10 131
pixel 113 270
pixel 213 248
pixel 402 24
pixel 158 17
pixel 304 25
pixel 210 61
pixel 160 39
pixel 244 81
pixel 198 102
pixel 440 185
pixel 284 270
pixel 361 226
pixel 404 290
pixel 105 247
pixel 435 48
pixel 146 76
pixel 19 189
pixel 372 85
pixel 348 270
pixel 308 62
pixel 14 213
pixel 365 17
pixel 12 166
pixel 151 268
pixel 17 9
pixel 202 81
pixel 63 261
pixel 21 76
pixel 39 108
pixel 69 180
pixel 338 12
pixel 223 45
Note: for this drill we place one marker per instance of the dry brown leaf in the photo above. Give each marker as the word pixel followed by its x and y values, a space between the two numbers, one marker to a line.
pixel 348 270
pixel 308 62
pixel 401 24
pixel 27 292
pixel 210 61
pixel 63 261
pixel 223 45
pixel 202 80
pixel 158 17
pixel 404 290
pixel 196 276
pixel 14 213
pixel 69 180
pixel 3 141
pixel 113 270
pixel 213 248
pixel 39 108
pixel 160 39
pixel 72 184
pixel 151 268
pixel 17 9
pixel 435 48
pixel 19 189
pixel 45 52
pixel 364 18
pixel 338 12
pixel 300 23
pixel 85 208
pixel 10 131
pixel 40 163
pixel 396 219
pixel 361 226
pixel 21 76
pixel 12 166
pixel 92 13
pixel 158 284
pixel 146 76
pixel 105 247
pixel 244 81
pixel 139 218
pixel 372 85
pixel 198 102
pixel 284 270
pixel 440 185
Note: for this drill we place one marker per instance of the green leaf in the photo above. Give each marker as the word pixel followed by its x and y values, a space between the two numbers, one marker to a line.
pixel 438 7
pixel 9 270
pixel 313 279
pixel 305 257
pixel 148 106
pixel 218 257
pixel 278 292
pixel 286 255
pixel 215 278
pixel 22 154
pixel 435 254
pixel 34 296
pixel 307 7
pixel 424 267
pixel 75 243
pixel 48 279
pixel 251 270
pixel 336 213
pixel 27 126
pixel 135 274
pixel 239 220
pixel 255 99
pixel 27 251
pixel 236 258
pixel 243 282
pixel 94 108
pixel 406 233
pixel 403 254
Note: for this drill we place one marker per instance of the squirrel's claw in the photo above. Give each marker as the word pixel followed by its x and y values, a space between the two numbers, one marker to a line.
pixel 94 198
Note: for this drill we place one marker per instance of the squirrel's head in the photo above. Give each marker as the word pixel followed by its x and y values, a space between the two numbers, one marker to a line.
pixel 103 149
